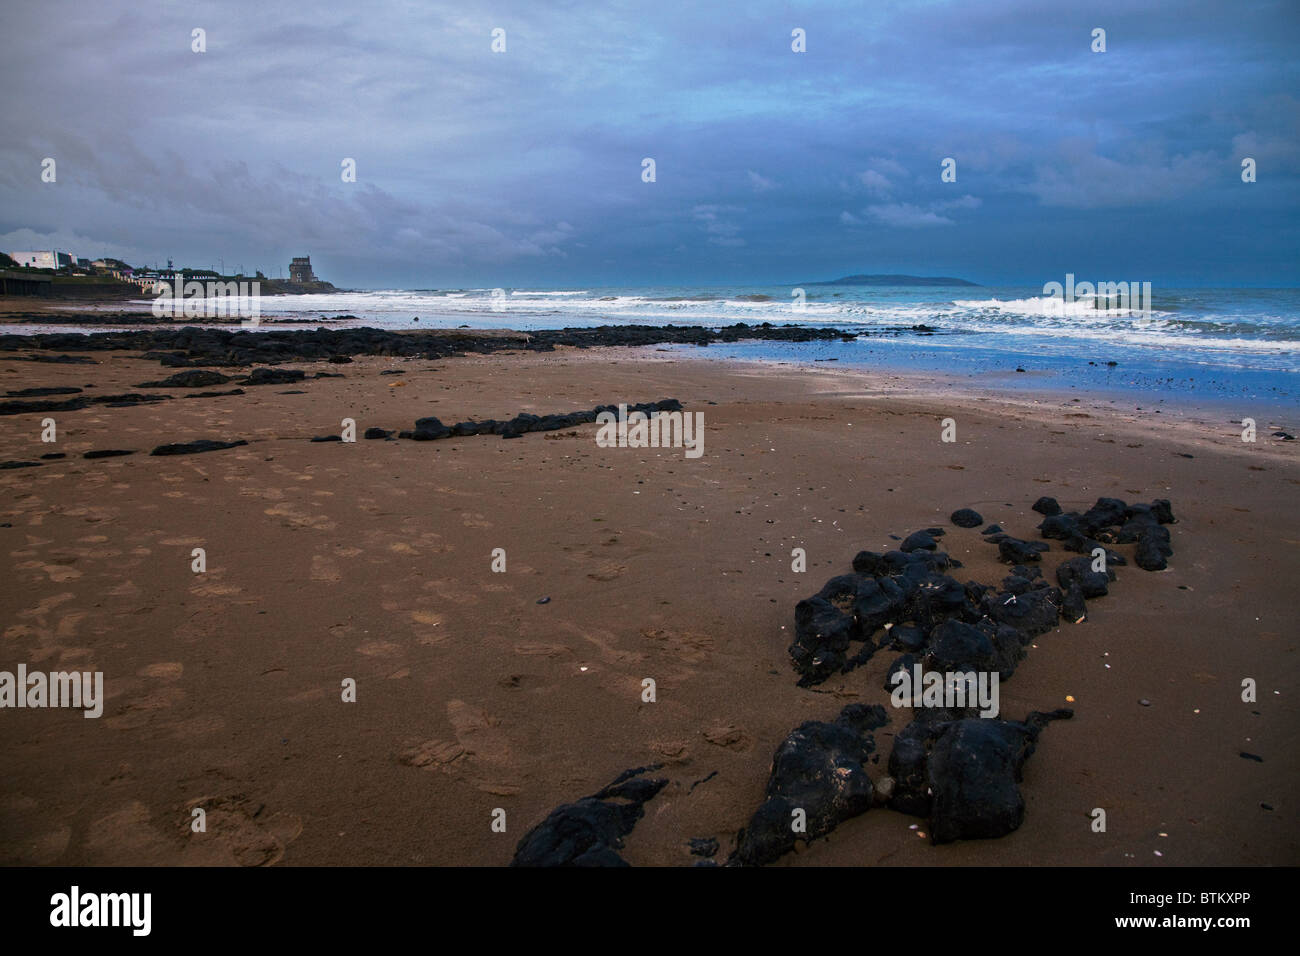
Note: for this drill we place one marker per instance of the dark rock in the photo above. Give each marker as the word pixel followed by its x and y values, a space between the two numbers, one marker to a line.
pixel 966 518
pixel 376 433
pixel 907 765
pixel 38 392
pixel 973 770
pixel 1034 612
pixel 907 637
pixel 108 453
pixel 340 359
pixel 933 597
pixel 876 602
pixel 704 846
pixel 429 429
pixel 1138 517
pixel 194 378
pixel 590 831
pixel 1073 606
pixel 1103 514
pixel 9 465
pixel 1059 527
pixel 955 646
pixel 1047 506
pixel 81 401
pixel 1081 544
pixel 919 540
pixel 1093 584
pixel 822 635
pixel 53 456
pixel 903 662
pixel 821 769
pixel 322 438
pixel 1014 551
pixel 195 447
pixel 992 529
pixel 1153 548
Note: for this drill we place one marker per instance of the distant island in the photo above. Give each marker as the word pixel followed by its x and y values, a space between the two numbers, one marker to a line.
pixel 895 280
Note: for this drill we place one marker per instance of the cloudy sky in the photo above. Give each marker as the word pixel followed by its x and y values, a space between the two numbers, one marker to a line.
pixel 524 168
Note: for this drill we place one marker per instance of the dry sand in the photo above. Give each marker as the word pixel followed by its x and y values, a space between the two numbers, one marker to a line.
pixel 372 561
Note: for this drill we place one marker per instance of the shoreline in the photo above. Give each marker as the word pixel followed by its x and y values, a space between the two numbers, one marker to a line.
pixel 773 345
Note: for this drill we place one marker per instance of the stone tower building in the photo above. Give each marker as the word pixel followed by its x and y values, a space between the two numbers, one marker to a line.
pixel 300 270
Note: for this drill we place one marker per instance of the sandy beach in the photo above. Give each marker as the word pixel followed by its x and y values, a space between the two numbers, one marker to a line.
pixel 373 561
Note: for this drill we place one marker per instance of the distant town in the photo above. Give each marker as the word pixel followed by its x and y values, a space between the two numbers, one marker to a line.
pixel 51 272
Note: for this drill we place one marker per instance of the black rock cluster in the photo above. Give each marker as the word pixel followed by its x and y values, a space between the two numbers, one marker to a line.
pixel 196 447
pixel 590 831
pixel 432 429
pixel 962 772
pixel 821 770
pixel 1111 521
pixel 909 590
pixel 192 346
pixel 21 407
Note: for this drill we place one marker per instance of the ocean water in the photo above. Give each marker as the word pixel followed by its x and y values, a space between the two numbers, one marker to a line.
pixel 1210 343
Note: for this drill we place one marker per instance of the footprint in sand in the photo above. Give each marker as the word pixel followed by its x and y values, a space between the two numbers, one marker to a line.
pixel 449 590
pixel 685 646
pixel 672 751
pixel 479 752
pixel 380 649
pixel 239 831
pixel 324 569
pixel 429 630
pixel 729 736
pixel 127 837
pixel 58 573
pixel 432 754
pixel 607 572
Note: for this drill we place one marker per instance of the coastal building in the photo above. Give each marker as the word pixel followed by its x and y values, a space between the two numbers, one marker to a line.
pixel 113 267
pixel 300 270
pixel 42 259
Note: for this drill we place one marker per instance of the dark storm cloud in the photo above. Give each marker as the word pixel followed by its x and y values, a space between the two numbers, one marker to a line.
pixel 477 168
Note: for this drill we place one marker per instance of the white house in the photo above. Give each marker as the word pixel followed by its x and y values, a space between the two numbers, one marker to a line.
pixel 42 260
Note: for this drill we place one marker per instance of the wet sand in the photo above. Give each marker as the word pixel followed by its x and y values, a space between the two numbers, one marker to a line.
pixel 372 561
